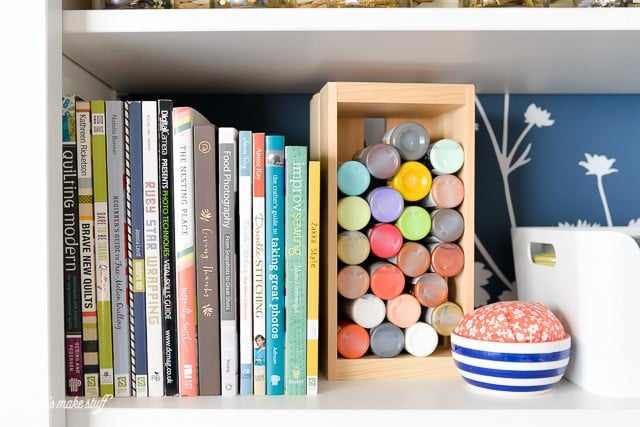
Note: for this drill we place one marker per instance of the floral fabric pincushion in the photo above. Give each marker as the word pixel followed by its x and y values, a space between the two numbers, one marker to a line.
pixel 512 321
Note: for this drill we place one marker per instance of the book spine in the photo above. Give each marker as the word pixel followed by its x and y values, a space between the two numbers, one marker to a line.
pixel 275 228
pixel 227 190
pixel 295 216
pixel 117 239
pixel 258 232
pixel 71 253
pixel 87 258
pixel 313 273
pixel 184 244
pixel 103 277
pixel 167 251
pixel 206 247
pixel 245 277
pixel 153 291
pixel 135 242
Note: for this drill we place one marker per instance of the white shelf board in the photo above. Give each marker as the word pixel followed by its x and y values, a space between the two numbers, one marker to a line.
pixel 516 50
pixel 375 403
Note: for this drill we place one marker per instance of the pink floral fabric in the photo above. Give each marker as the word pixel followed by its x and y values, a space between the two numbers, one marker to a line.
pixel 511 321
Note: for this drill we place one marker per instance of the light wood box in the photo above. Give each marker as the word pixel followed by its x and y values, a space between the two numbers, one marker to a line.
pixel 337 132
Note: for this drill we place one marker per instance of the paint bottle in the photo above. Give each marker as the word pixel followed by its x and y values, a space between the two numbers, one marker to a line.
pixel 430 289
pixel 410 138
pixel 382 160
pixel 386 340
pixel 447 258
pixel 353 213
pixel 367 311
pixel 447 191
pixel 352 281
pixel 447 225
pixel 403 310
pixel 444 318
pixel 353 340
pixel 414 222
pixel 385 240
pixel 353 178
pixel 420 339
pixel 445 156
pixel 413 180
pixel 386 203
pixel 413 259
pixel 353 247
pixel 386 280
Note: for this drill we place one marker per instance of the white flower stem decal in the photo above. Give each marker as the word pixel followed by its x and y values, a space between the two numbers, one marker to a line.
pixel 600 166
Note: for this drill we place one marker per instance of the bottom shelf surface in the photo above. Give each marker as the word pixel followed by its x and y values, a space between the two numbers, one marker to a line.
pixel 374 402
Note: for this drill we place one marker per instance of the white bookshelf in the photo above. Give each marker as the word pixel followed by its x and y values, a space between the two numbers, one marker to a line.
pixel 48 51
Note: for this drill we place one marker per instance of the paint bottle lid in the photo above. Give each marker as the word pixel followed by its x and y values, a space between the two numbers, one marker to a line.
pixel 430 289
pixel 352 281
pixel 353 247
pixel 386 280
pixel 447 225
pixel 353 340
pixel 410 138
pixel 367 311
pixel 353 213
pixel 413 181
pixel 386 203
pixel 444 318
pixel 403 310
pixel 447 258
pixel 353 178
pixel 414 222
pixel 447 191
pixel 385 240
pixel 386 340
pixel 420 339
pixel 445 156
pixel 413 259
pixel 382 160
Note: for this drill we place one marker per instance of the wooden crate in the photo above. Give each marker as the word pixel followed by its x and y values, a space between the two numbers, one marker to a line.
pixel 337 132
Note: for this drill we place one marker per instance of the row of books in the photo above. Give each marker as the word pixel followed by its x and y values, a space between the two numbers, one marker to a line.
pixel 190 254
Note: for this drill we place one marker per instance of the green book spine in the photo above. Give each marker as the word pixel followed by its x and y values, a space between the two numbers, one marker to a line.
pixel 295 282
pixel 87 244
pixel 103 280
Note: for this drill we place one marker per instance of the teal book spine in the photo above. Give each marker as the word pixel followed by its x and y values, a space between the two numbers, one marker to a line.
pixel 275 229
pixel 295 283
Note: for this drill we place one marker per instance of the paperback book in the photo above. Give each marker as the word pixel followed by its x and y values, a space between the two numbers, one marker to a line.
pixel 275 229
pixel 313 273
pixel 184 118
pixel 87 258
pixel 135 247
pixel 245 242
pixel 153 284
pixel 295 278
pixel 74 378
pixel 116 189
pixel 258 232
pixel 103 268
pixel 167 247
pixel 227 252
pixel 206 247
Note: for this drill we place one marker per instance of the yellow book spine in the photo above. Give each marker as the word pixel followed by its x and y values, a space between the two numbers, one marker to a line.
pixel 313 280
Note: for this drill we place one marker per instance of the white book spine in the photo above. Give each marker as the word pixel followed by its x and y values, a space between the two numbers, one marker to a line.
pixel 258 232
pixel 152 248
pixel 228 182
pixel 245 200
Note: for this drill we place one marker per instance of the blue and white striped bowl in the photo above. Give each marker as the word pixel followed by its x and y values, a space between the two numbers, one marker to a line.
pixel 511 368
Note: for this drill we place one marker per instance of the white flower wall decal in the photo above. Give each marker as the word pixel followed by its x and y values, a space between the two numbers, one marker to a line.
pixel 600 166
pixel 534 116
